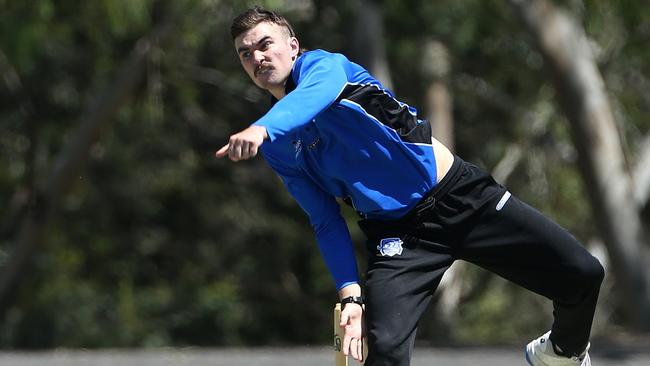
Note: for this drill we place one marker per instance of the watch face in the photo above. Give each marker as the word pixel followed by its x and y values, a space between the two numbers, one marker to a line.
pixel 354 299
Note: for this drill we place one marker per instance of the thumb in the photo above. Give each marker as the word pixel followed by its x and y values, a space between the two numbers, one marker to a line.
pixel 344 319
pixel 223 151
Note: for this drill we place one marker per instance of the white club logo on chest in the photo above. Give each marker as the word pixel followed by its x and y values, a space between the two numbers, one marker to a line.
pixel 390 246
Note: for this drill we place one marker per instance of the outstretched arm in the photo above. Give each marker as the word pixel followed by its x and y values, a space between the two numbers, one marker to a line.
pixel 321 78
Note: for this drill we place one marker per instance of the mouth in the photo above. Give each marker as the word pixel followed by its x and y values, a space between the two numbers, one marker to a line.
pixel 262 70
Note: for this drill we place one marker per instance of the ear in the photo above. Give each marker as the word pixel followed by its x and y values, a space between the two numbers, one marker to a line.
pixel 295 47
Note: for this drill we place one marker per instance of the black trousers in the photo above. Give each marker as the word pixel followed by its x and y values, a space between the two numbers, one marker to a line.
pixel 469 216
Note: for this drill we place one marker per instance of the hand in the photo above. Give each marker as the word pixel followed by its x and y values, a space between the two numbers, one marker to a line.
pixel 243 145
pixel 352 323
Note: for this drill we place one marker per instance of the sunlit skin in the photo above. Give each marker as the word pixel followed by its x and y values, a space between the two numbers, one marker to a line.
pixel 267 53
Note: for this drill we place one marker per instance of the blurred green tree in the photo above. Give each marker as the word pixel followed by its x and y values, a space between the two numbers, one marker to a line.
pixel 151 241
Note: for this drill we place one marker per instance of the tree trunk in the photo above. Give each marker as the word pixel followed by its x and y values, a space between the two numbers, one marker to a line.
pixel 581 94
pixel 435 67
pixel 369 49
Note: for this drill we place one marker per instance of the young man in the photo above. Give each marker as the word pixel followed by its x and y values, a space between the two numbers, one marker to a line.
pixel 335 132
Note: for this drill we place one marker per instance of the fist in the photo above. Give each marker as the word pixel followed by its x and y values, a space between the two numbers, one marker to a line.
pixel 243 145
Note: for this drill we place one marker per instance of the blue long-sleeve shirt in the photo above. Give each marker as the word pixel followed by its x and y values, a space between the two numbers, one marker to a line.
pixel 339 133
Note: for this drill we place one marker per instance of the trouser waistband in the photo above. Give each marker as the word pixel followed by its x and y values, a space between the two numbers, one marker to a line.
pixel 438 191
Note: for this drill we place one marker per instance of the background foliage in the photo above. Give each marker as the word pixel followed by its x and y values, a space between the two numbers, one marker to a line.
pixel 158 243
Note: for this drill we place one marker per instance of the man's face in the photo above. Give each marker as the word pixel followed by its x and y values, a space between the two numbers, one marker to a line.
pixel 267 53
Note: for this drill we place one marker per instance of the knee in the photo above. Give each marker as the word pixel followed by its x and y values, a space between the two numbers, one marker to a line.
pixel 592 272
pixel 578 279
pixel 587 277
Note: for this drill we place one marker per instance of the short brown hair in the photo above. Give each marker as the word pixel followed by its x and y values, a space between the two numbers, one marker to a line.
pixel 254 16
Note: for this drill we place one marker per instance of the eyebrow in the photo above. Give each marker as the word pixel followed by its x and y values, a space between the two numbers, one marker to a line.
pixel 244 48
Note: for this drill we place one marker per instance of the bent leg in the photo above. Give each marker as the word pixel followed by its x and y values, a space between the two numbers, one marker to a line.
pixel 520 244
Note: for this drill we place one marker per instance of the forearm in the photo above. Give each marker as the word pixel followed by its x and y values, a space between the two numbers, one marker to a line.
pixel 321 80
pixel 330 229
pixel 336 248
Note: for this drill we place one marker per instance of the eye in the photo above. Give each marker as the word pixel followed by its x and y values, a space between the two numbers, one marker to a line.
pixel 266 44
pixel 245 54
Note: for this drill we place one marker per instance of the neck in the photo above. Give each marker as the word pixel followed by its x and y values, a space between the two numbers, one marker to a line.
pixel 278 92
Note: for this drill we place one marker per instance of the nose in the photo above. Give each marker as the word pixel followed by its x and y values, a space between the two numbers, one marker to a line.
pixel 258 56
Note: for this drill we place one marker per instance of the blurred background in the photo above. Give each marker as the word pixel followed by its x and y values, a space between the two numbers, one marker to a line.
pixel 118 227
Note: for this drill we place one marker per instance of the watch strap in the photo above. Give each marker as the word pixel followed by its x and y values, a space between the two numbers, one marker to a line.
pixel 351 299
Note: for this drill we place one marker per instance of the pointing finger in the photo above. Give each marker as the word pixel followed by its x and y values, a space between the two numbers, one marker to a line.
pixel 223 151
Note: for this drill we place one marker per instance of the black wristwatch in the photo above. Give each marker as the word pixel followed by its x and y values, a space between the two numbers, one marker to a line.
pixel 351 299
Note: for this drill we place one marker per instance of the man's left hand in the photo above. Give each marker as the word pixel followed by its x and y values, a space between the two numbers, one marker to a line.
pixel 243 145
pixel 352 323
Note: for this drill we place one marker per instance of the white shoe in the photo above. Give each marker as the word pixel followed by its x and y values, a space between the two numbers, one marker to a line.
pixel 540 352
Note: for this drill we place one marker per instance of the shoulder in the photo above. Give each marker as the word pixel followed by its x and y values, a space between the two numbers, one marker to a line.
pixel 327 65
pixel 319 54
pixel 318 57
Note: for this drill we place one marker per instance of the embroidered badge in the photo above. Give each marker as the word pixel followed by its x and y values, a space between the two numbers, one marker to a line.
pixel 390 246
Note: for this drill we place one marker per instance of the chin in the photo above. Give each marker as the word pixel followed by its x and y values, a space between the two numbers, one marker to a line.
pixel 268 84
pixel 262 84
